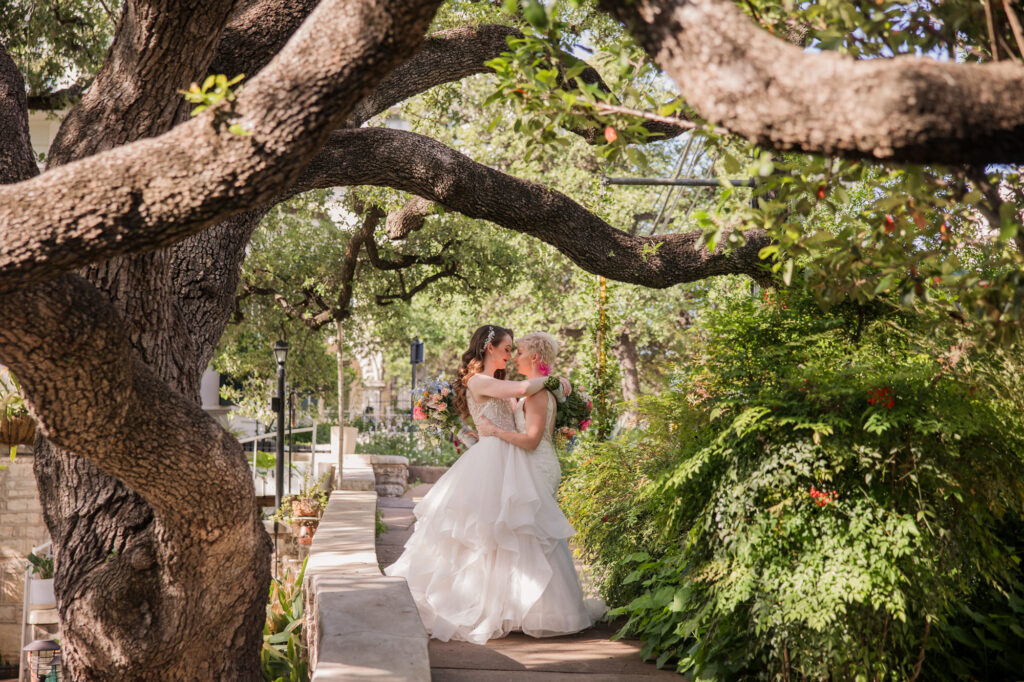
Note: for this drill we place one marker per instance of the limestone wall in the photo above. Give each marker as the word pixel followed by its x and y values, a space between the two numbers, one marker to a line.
pixel 360 625
pixel 21 528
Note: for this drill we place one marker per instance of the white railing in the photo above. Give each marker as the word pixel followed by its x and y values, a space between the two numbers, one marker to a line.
pixel 255 440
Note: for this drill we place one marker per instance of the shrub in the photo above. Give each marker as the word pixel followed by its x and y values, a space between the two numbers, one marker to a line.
pixel 283 657
pixel 420 448
pixel 821 495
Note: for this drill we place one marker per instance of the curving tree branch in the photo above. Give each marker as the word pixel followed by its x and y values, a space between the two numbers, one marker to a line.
pixel 256 32
pixel 427 168
pixel 156 191
pixel 178 38
pixel 409 218
pixel 58 99
pixel 108 404
pixel 407 294
pixel 773 93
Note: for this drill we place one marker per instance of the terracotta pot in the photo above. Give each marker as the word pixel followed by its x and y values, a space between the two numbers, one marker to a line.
pixel 306 534
pixel 17 431
pixel 305 508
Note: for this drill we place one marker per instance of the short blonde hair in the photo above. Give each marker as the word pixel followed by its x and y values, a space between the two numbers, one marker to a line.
pixel 541 343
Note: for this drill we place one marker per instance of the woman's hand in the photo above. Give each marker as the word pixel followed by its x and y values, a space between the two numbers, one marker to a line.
pixel 485 427
pixel 559 387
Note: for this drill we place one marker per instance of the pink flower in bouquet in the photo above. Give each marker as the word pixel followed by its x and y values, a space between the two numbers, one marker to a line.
pixel 445 391
pixel 418 413
pixel 585 424
pixel 544 369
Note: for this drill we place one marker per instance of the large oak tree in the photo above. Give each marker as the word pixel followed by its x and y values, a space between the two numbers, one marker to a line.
pixel 119 263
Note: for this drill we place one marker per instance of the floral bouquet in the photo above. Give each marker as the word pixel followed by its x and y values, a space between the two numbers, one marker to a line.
pixel 572 416
pixel 436 407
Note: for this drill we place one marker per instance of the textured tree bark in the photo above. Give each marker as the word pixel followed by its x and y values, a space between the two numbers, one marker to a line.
pixel 162 562
pixel 156 191
pixel 16 162
pixel 775 94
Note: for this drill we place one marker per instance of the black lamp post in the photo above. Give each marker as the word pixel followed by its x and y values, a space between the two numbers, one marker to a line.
pixel 280 354
pixel 415 358
pixel 44 664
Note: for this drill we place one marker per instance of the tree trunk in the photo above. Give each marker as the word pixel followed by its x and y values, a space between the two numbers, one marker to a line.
pixel 341 403
pixel 625 353
pixel 140 597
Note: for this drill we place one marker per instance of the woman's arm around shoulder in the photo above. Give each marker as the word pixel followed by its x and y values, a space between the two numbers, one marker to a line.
pixel 483 385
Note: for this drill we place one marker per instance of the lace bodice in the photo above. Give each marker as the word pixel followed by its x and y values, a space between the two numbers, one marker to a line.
pixel 498 410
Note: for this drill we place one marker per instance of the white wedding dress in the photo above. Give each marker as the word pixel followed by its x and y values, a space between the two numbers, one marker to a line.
pixel 490 554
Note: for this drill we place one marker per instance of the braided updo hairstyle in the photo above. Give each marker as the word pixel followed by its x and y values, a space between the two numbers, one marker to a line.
pixel 473 362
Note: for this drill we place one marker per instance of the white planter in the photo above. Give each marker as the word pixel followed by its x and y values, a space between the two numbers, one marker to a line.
pixel 40 594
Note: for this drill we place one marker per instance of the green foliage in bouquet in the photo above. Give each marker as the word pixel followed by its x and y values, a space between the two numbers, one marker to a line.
pixel 817 496
pixel 572 415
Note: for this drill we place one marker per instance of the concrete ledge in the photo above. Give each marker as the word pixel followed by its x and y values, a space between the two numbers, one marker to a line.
pixel 357 474
pixel 360 625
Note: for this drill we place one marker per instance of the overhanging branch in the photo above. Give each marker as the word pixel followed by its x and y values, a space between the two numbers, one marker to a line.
pixel 775 94
pixel 427 168
pixel 157 191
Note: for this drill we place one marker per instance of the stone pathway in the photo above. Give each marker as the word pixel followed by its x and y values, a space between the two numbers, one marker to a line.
pixel 589 655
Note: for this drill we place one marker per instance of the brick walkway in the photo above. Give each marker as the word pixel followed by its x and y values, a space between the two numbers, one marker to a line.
pixel 587 655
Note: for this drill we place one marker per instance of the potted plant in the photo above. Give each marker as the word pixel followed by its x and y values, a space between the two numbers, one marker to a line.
pixel 312 500
pixel 40 584
pixel 303 510
pixel 16 425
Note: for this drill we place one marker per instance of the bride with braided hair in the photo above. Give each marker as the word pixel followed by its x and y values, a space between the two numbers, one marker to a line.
pixel 489 552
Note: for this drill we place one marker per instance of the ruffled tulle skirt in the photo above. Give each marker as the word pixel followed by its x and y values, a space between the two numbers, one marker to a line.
pixel 490 554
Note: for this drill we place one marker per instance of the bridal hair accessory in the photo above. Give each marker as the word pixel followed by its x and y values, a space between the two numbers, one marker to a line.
pixel 490 337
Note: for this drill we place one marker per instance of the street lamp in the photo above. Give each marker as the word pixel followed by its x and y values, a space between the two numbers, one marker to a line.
pixel 280 354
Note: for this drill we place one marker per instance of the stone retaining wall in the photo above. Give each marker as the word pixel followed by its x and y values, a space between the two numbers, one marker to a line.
pixel 21 529
pixel 360 624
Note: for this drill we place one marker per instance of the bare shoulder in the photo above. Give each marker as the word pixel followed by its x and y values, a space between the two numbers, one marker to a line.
pixel 538 401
